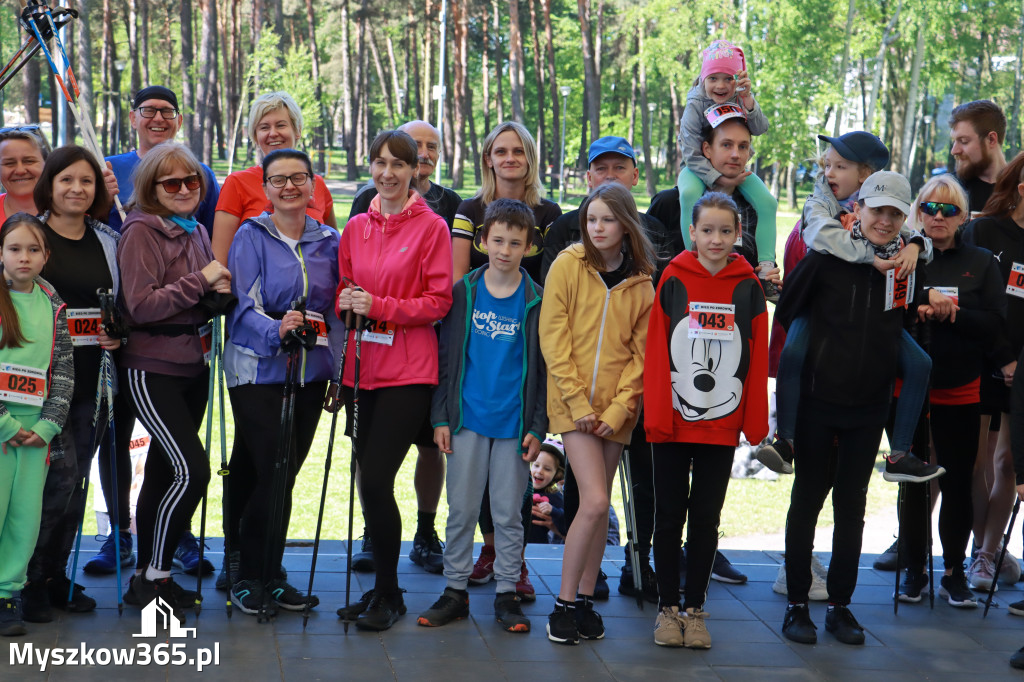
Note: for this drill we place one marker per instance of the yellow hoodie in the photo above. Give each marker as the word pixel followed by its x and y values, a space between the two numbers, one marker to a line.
pixel 593 341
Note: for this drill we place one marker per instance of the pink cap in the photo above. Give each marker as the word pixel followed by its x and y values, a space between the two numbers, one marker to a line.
pixel 721 56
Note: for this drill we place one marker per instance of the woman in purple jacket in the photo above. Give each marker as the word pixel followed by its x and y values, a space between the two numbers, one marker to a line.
pixel 167 267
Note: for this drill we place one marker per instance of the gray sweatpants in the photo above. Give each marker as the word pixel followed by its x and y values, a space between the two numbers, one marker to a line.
pixel 475 461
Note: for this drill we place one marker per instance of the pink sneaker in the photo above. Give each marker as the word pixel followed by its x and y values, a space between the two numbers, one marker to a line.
pixel 524 588
pixel 483 569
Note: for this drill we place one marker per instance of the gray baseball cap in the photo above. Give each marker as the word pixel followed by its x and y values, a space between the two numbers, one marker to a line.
pixel 886 188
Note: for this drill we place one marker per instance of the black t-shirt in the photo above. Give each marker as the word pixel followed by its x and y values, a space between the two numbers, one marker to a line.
pixel 665 207
pixel 441 200
pixel 77 268
pixel 469 223
pixel 978 192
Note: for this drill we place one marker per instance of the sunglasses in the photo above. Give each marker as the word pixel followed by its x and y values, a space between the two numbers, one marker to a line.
pixel 32 128
pixel 173 185
pixel 936 207
pixel 298 179
pixel 150 112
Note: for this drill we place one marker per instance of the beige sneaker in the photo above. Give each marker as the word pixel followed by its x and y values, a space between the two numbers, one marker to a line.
pixel 668 628
pixel 695 632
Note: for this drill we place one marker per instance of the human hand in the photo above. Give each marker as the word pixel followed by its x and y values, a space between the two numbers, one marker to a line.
pixel 586 424
pixel 603 430
pixel 727 185
pixel 773 275
pixel 292 319
pixel 22 437
pixel 743 90
pixel 443 439
pixel 531 448
pixel 542 519
pixel 110 180
pixel 107 343
pixel 942 306
pixel 218 277
pixel 906 260
pixel 883 265
pixel 362 301
pixel 1008 371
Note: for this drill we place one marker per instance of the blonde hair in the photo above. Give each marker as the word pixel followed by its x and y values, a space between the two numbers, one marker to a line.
pixel 865 168
pixel 620 202
pixel 534 189
pixel 272 101
pixel 944 188
pixel 157 161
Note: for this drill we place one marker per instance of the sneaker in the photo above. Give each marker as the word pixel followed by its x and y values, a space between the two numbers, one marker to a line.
pixel 452 605
pixel 382 612
pixel 1017 659
pixel 886 561
pixel 509 613
pixel 11 624
pixel 797 625
pixel 524 588
pixel 841 623
pixel 668 627
pixel 913 584
pixel 103 563
pixel 428 552
pixel 59 588
pixel 725 572
pixel 819 585
pixel 561 626
pixel 35 603
pixel 171 592
pixel 1015 609
pixel 588 621
pixel 695 630
pixel 777 456
pixel 953 588
pixel 249 596
pixel 910 469
pixel 483 569
pixel 601 589
pixel 362 561
pixel 981 574
pixel 232 560
pixel 186 555
pixel 351 611
pixel 771 292
pixel 288 597
pixel 129 596
pixel 648 583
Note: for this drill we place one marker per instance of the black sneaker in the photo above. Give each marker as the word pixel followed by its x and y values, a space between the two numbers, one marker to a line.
pixel 910 469
pixel 351 611
pixel 725 572
pixel 1017 659
pixel 186 555
pixel 35 603
pixel 588 621
pixel 11 624
pixel 382 612
pixel 1016 608
pixel 913 584
pixel 451 605
pixel 59 588
pixel 797 625
pixel 886 561
pixel 288 597
pixel 841 623
pixel 771 292
pixel 509 613
pixel 777 456
pixel 232 560
pixel 601 589
pixel 130 598
pixel 561 626
pixel 648 583
pixel 362 561
pixel 428 552
pixel 171 592
pixel 249 596
pixel 954 589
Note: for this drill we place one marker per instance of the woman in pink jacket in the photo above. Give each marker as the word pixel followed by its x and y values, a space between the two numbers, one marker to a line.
pixel 395 263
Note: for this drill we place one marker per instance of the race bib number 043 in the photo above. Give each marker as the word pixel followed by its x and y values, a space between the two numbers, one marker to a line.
pixel 25 385
pixel 712 321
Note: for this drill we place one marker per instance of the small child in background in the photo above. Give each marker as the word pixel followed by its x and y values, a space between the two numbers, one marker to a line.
pixel 548 472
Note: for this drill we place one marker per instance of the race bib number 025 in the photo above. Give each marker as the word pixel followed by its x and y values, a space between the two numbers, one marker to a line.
pixel 712 321
pixel 898 292
pixel 25 385
pixel 84 326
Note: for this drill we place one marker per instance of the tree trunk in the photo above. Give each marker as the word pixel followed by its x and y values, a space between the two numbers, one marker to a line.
pixel 143 41
pixel 674 156
pixel 279 21
pixel 485 70
pixel 844 65
pixel 791 186
pixel 599 41
pixel 498 80
pixel 106 69
pixel 876 83
pixel 202 143
pixel 83 59
pixel 591 84
pixel 349 102
pixel 645 114
pixel 31 82
pixel 188 100
pixel 362 68
pixel 538 73
pixel 474 143
pixel 911 109
pixel 411 51
pixel 1013 139
pixel 396 87
pixel 631 133
pixel 460 27
pixel 515 61
pixel 381 78
pixel 318 132
pixel 556 112
pixel 428 54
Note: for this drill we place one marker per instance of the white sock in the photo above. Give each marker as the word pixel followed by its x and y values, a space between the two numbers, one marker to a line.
pixel 153 574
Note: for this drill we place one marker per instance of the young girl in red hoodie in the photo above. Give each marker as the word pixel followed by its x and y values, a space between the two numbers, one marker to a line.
pixel 705 381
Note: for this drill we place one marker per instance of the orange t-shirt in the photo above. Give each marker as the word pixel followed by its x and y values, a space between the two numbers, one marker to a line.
pixel 242 196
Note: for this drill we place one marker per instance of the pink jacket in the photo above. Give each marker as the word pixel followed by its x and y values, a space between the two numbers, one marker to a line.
pixel 405 262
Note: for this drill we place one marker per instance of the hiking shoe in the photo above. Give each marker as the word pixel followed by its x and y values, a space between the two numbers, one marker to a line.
pixel 35 603
pixel 953 588
pixel 288 597
pixel 382 612
pixel 232 560
pixel 103 563
pixel 186 555
pixel 561 626
pixel 725 572
pixel 11 624
pixel 648 583
pixel 913 584
pixel 601 589
pixel 777 456
pixel 1017 659
pixel 129 596
pixel 841 623
pixel 509 613
pixel 819 585
pixel 886 561
pixel 483 569
pixel 668 627
pixel 362 561
pixel 351 611
pixel 250 596
pixel 428 552
pixel 981 574
pixel 171 592
pixel 1015 609
pixel 59 588
pixel 797 625
pixel 524 588
pixel 910 469
pixel 695 630
pixel 452 605
pixel 589 623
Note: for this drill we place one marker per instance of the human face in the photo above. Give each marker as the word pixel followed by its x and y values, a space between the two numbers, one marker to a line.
pixel 74 189
pixel 156 130
pixel 21 162
pixel 714 235
pixel 543 470
pixel 275 131
pixel 289 197
pixel 508 157
pixel 879 225
pixel 730 151
pixel 185 201
pixel 428 147
pixel 720 87
pixel 612 167
pixel 23 257
pixel 939 228
pixel 973 153
pixel 605 230
pixel 844 177
pixel 506 246
pixel 391 176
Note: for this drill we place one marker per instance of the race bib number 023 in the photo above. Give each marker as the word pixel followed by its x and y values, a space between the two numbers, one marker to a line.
pixel 25 385
pixel 712 321
pixel 84 326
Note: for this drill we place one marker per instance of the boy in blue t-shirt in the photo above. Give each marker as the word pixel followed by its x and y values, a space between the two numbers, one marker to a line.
pixel 489 411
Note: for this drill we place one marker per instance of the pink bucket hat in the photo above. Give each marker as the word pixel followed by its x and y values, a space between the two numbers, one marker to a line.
pixel 721 56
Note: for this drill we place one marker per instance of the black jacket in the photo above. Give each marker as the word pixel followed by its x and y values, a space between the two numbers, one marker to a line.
pixel 1005 239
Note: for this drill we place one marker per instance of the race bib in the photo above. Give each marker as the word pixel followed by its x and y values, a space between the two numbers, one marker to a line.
pixel 1015 285
pixel 316 321
pixel 712 321
pixel 898 292
pixel 84 326
pixel 206 340
pixel 25 385
pixel 380 332
pixel 951 292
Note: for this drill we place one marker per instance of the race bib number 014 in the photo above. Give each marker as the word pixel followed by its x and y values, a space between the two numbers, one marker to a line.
pixel 379 331
pixel 712 321
pixel 898 292
pixel 25 385
pixel 1015 285
pixel 84 326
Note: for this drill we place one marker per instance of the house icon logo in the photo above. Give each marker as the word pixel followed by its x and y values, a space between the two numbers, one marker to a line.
pixel 159 616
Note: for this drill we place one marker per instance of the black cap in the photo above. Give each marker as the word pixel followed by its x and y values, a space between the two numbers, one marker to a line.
pixel 155 92
pixel 861 147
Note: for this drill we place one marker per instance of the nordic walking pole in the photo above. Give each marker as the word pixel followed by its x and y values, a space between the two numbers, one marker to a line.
pixel 224 470
pixel 626 482
pixel 331 404
pixel 899 532
pixel 352 467
pixel 211 387
pixel 1002 556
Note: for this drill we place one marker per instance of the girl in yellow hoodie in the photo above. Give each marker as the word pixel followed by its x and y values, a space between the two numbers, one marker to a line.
pixel 593 328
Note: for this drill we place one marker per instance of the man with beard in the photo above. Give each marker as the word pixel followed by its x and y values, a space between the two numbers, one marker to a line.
pixel 977 130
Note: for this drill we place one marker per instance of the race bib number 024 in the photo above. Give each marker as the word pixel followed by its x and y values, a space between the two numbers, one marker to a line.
pixel 712 321
pixel 84 326
pixel 25 385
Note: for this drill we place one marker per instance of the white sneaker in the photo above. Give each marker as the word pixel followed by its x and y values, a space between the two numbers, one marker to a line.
pixel 819 588
pixel 980 575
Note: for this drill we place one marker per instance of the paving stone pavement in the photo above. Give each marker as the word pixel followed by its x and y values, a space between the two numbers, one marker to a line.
pixel 745 621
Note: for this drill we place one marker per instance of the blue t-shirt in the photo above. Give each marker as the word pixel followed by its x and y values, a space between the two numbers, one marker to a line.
pixel 124 164
pixel 492 381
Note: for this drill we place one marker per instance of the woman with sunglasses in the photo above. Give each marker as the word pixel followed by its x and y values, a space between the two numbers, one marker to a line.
pixel 275 258
pixel 22 153
pixel 167 269
pixel 964 311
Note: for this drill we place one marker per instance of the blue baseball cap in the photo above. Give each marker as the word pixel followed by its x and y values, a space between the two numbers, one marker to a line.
pixel 617 145
pixel 860 146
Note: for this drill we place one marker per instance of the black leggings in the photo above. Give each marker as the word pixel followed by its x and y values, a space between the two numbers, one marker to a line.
pixel 389 420
pixel 674 498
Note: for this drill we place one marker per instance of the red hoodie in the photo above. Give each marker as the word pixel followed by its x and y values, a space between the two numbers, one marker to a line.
pixel 702 390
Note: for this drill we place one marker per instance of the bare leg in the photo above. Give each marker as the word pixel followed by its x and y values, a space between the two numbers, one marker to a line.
pixel 612 452
pixel 1003 490
pixel 981 485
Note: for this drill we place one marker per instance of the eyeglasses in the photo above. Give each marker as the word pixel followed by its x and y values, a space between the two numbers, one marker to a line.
pixel 936 207
pixel 173 185
pixel 298 179
pixel 149 112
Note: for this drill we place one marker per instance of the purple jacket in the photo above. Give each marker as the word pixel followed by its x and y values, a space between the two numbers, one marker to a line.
pixel 161 283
